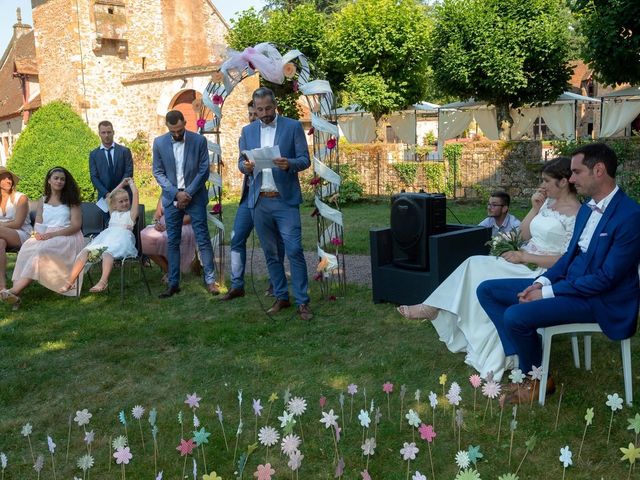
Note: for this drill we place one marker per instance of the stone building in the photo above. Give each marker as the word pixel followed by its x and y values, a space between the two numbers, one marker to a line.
pixel 130 61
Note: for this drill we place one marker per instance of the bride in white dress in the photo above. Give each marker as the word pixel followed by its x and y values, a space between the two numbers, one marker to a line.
pixel 453 307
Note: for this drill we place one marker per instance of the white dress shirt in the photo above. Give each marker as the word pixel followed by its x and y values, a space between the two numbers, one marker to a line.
pixel 267 138
pixel 597 210
pixel 178 154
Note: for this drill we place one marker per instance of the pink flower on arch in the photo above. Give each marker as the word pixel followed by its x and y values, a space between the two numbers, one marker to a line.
pixel 387 387
pixel 217 99
pixel 217 208
pixel 311 131
pixel 264 472
pixel 201 122
pixel 331 143
pixel 427 432
pixel 315 181
pixel 336 241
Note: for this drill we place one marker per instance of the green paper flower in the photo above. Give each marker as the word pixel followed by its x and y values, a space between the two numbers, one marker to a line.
pixel 589 416
pixel 468 474
pixel 634 424
pixel 474 454
pixel 201 436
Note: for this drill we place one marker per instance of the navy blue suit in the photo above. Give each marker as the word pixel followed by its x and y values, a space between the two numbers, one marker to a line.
pixel 279 217
pixel 196 173
pixel 105 178
pixel 599 285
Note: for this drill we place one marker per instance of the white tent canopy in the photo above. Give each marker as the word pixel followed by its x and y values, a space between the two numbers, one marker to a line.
pixel 358 126
pixel 619 108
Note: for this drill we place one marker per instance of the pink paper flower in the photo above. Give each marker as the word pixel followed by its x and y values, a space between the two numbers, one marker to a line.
pixel 264 472
pixel 217 208
pixel 427 432
pixel 491 389
pixel 315 181
pixel 365 475
pixel 387 387
pixel 331 143
pixel 323 401
pixel 193 400
pixel 201 122
pixel 217 100
pixel 475 380
pixel 186 447
pixel 337 242
pixel 123 455
pixel 352 389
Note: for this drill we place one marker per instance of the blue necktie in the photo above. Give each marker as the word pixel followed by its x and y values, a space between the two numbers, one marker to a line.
pixel 110 156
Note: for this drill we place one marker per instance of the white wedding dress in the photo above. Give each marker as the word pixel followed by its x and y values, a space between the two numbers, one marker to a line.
pixel 462 324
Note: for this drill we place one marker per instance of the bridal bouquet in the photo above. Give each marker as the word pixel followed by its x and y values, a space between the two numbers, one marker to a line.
pixel 95 254
pixel 505 242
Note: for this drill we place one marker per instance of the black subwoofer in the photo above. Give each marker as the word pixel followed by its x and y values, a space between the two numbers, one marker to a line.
pixel 414 217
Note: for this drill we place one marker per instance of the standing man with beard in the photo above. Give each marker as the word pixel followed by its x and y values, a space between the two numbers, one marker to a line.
pixel 181 168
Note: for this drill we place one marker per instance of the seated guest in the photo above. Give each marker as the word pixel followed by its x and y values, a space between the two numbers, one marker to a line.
pixel 453 307
pixel 499 218
pixel 595 281
pixel 15 224
pixel 48 256
pixel 154 242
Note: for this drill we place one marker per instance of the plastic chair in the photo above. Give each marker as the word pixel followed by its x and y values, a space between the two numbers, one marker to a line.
pixel 574 329
pixel 92 219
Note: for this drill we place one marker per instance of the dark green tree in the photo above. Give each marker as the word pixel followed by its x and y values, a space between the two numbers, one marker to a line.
pixel 611 39
pixel 505 52
pixel 55 136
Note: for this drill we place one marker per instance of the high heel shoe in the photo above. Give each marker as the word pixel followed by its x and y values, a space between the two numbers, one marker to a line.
pixel 418 312
pixel 99 287
pixel 10 298
pixel 67 286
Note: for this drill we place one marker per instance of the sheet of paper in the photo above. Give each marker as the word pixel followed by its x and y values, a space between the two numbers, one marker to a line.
pixel 262 157
pixel 102 205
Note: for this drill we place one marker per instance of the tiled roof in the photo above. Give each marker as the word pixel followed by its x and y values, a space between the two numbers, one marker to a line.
pixel 20 57
pixel 168 74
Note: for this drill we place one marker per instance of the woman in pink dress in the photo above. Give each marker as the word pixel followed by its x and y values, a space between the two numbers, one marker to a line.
pixel 154 242
pixel 15 224
pixel 48 255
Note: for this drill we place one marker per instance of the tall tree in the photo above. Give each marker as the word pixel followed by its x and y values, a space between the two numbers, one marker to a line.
pixel 376 51
pixel 505 52
pixel 611 33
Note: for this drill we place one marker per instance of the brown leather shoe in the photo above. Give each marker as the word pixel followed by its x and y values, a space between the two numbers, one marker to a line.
pixel 233 293
pixel 305 312
pixel 279 305
pixel 213 288
pixel 269 291
pixel 529 389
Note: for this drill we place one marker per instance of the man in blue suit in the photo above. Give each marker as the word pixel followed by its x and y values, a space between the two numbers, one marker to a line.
pixel 242 226
pixel 181 168
pixel 274 197
pixel 110 163
pixel 596 280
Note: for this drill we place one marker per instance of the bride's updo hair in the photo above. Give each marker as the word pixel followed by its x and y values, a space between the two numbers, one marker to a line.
pixel 559 168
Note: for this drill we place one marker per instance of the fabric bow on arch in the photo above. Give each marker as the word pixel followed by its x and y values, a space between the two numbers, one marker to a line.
pixel 264 57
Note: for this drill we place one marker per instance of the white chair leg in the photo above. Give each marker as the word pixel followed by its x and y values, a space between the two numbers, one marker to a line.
pixel 576 350
pixel 546 355
pixel 587 352
pixel 625 347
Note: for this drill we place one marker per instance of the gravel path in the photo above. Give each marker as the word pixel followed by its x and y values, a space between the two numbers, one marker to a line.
pixel 358 267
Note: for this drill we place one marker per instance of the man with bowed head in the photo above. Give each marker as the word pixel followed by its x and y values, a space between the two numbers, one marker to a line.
pixel 181 168
pixel 274 197
pixel 595 281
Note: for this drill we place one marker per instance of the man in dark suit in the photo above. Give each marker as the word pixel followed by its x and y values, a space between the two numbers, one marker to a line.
pixel 110 163
pixel 596 280
pixel 274 197
pixel 181 168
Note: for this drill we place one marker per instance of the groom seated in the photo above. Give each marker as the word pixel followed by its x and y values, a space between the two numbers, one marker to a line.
pixel 596 280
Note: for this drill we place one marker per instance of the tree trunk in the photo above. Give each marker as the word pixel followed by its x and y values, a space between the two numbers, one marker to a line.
pixel 381 129
pixel 503 120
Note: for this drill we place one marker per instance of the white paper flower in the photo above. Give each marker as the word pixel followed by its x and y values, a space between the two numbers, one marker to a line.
pixel 51 445
pixel 119 442
pixel 27 429
pixel 295 460
pixel 297 406
pixel 491 389
pixel 3 460
pixel 85 462
pixel 413 418
pixel 516 376
pixel 290 444
pixel 535 373
pixel 453 398
pixel 39 465
pixel 88 437
pixel 365 419
pixel 369 446
pixel 137 412
pixel 418 476
pixel 285 419
pixel 433 399
pixel 614 402
pixel 329 419
pixel 268 436
pixel 565 456
pixel 462 459
pixel 82 417
pixel 196 421
pixel 409 451
pixel 455 388
pixel 417 395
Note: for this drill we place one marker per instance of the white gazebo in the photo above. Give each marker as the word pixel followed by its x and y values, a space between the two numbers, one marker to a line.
pixel 618 110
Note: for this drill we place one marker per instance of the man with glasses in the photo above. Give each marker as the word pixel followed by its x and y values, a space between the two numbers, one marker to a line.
pixel 498 216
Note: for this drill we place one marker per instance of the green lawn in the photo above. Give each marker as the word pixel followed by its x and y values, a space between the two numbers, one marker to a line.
pixel 59 355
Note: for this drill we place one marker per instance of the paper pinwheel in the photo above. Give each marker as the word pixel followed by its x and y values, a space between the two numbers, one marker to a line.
pixel 474 454
pixel 211 476
pixel 286 419
pixel 365 419
pixel 369 446
pixel 565 456
pixel 295 460
pixel 427 432
pixel 201 436
pixel 409 451
pixel 89 437
pixel 329 419
pixel 413 418
pixel 122 456
pixel 352 389
pixel 297 406
pixel 26 430
pixel 257 407
pixel 418 476
pixel 137 412
pixel 85 462
pixel 631 454
pixel 268 436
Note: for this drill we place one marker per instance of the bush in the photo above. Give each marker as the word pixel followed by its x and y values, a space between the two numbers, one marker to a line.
pixel 351 188
pixel 407 172
pixel 142 163
pixel 55 135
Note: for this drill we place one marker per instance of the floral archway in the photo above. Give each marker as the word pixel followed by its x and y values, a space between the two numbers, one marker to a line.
pixel 293 67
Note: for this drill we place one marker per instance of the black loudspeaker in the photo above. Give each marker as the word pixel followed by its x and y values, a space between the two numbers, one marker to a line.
pixel 415 217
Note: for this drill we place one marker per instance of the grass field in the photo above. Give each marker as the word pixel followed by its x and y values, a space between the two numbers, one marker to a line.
pixel 60 355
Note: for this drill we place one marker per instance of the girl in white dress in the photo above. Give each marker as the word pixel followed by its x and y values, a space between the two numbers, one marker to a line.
pixel 15 224
pixel 453 307
pixel 116 241
pixel 47 256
